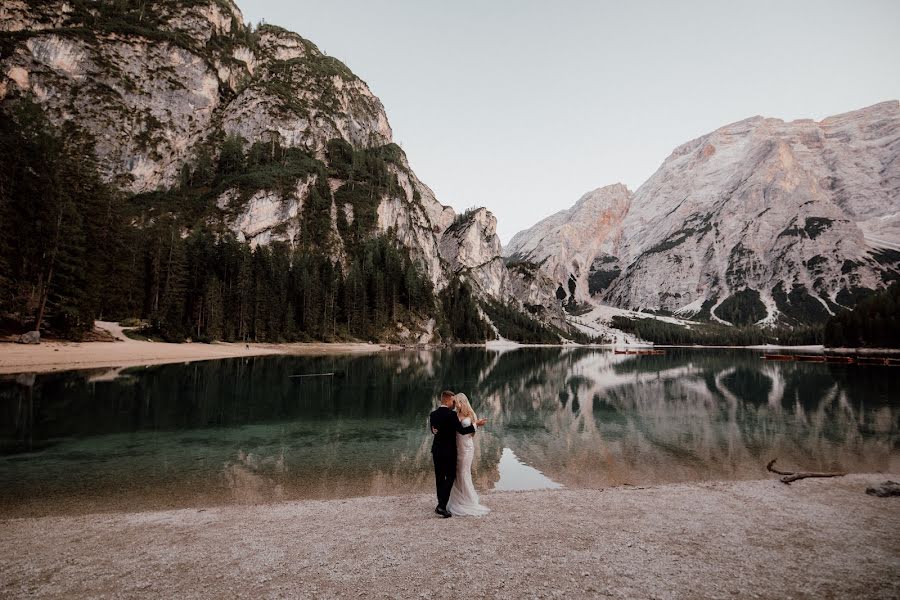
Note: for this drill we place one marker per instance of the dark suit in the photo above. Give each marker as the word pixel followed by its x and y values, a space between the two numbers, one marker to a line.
pixel 443 450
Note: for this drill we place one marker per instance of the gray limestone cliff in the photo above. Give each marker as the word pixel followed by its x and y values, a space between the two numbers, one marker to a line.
pixel 157 83
pixel 759 221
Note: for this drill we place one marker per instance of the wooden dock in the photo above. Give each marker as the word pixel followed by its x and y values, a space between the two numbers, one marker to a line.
pixel 835 359
pixel 809 358
pixel 641 352
pixel 778 357
pixel 878 360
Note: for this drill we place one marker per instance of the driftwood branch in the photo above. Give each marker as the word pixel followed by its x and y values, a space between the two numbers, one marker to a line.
pixel 790 476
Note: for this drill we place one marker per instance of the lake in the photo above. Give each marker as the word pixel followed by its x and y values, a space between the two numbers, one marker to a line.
pixel 263 429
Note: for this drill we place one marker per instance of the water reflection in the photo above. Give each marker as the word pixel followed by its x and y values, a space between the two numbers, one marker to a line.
pixel 517 476
pixel 244 430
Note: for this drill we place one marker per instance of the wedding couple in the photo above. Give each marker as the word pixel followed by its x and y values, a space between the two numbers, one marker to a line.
pixel 453 449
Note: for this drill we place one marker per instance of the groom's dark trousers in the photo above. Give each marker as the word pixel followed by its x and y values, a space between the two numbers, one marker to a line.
pixel 443 450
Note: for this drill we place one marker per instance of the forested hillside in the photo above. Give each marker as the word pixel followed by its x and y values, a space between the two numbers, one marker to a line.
pixel 75 249
pixel 715 334
pixel 874 323
pixel 222 180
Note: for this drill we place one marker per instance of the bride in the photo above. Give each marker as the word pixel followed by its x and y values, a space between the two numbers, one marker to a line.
pixel 463 497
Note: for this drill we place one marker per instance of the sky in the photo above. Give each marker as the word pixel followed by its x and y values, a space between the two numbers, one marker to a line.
pixel 523 106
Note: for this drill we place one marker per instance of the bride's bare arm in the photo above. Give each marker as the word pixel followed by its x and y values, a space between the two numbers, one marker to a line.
pixel 463 429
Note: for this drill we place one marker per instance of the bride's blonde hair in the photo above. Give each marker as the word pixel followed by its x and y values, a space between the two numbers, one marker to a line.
pixel 463 408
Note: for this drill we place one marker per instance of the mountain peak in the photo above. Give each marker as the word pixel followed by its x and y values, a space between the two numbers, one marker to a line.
pixel 758 220
pixel 567 243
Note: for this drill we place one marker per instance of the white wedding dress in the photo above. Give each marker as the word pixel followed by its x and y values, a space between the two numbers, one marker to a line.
pixel 464 499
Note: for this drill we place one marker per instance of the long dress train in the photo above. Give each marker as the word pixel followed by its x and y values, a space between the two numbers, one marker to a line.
pixel 464 499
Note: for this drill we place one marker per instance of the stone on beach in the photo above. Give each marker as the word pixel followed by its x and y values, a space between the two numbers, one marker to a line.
pixel 31 337
pixel 883 490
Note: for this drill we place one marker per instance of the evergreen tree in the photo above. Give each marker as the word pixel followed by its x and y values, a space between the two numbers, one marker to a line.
pixel 464 321
pixel 874 322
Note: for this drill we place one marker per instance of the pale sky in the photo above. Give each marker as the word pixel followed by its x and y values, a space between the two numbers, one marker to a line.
pixel 522 106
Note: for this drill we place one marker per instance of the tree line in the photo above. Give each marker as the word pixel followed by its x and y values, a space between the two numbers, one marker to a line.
pixel 74 249
pixel 714 334
pixel 874 322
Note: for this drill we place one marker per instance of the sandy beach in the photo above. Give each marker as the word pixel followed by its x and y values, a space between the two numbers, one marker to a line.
pixel 126 352
pixel 754 539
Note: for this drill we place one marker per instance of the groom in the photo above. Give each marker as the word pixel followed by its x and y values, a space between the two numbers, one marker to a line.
pixel 444 425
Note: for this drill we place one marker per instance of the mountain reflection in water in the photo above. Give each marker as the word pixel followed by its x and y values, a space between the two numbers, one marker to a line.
pixel 245 431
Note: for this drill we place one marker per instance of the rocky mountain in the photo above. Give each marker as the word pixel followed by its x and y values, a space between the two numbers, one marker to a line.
pixel 162 89
pixel 760 221
pixel 570 245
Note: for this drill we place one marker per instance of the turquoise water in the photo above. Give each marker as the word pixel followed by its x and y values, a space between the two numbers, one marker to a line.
pixel 248 430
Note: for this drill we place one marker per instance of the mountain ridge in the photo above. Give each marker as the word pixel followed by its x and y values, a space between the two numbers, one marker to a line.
pixel 169 93
pixel 779 221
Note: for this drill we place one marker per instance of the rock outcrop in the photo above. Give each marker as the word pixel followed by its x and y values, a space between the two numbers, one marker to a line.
pixel 157 87
pixel 571 244
pixel 30 337
pixel 473 250
pixel 759 221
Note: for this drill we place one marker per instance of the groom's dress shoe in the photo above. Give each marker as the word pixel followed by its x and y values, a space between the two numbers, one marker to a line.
pixel 445 513
pixel 437 509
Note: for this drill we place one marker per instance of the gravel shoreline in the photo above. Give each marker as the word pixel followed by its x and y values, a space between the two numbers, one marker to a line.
pixel 751 539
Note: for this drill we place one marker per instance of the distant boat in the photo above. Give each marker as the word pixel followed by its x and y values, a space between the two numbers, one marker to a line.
pixel 778 356
pixel 835 359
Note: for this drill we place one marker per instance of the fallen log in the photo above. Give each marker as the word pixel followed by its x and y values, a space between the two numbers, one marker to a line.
pixel 790 476
pixel 883 490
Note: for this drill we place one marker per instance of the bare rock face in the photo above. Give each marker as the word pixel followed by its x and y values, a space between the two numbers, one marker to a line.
pixel 567 244
pixel 472 249
pixel 471 246
pixel 302 96
pixel 417 219
pixel 154 88
pixel 30 337
pixel 143 126
pixel 759 221
pixel 769 218
pixel 147 100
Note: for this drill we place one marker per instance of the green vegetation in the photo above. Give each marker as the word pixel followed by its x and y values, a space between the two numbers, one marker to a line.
pixel 462 218
pixel 573 307
pixel 742 308
pixel 874 322
pixel 851 296
pixel 168 259
pixel 891 260
pixel 799 306
pixel 122 17
pixel 600 279
pixel 814 226
pixel 696 225
pixel 463 321
pixel 714 334
pixel 368 179
pixel 513 324
pixel 705 313
pixel 171 267
pixel 53 208
pixel 739 261
pixel 525 268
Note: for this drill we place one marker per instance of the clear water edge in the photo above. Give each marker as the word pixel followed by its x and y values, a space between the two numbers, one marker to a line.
pixel 244 431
